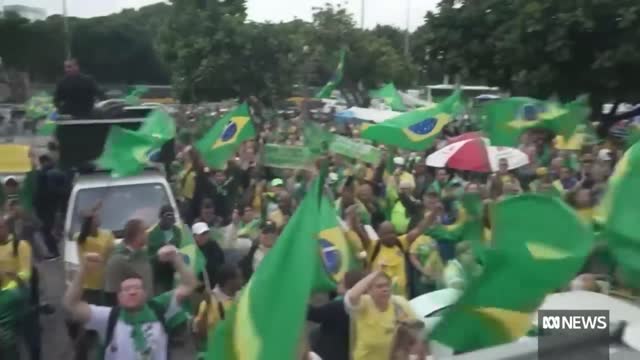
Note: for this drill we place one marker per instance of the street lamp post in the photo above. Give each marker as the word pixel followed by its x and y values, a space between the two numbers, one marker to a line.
pixel 362 14
pixel 407 33
pixel 67 33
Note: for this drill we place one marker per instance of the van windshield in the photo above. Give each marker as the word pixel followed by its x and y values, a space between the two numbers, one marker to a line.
pixel 120 204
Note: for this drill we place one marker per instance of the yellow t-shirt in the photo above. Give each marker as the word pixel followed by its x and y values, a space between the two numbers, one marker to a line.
pixel 212 312
pixel 391 261
pixel 20 264
pixel 187 183
pixel 426 250
pixel 586 215
pixel 374 329
pixel 101 244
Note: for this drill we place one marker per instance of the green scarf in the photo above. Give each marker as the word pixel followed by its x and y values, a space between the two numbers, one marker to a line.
pixel 136 320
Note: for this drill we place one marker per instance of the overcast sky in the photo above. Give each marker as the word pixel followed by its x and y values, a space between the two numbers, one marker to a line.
pixel 386 12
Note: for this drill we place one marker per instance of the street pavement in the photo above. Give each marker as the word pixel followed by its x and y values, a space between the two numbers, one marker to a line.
pixel 55 340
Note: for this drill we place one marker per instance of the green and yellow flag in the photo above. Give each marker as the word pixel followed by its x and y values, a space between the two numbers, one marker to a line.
pixel 416 130
pixel 223 140
pixel 337 255
pixel 127 152
pixel 327 90
pixel 539 246
pixel 504 121
pixel 389 94
pixel 617 212
pixel 268 319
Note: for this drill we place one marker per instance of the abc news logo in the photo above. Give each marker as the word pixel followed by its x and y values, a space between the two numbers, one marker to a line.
pixel 575 322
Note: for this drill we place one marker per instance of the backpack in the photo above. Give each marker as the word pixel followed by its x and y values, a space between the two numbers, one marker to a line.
pixel 112 320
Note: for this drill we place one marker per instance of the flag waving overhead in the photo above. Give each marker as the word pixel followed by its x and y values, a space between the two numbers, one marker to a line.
pixel 127 152
pixel 504 121
pixel 416 130
pixel 268 319
pixel 618 211
pixel 539 246
pixel 221 142
pixel 391 97
pixel 326 91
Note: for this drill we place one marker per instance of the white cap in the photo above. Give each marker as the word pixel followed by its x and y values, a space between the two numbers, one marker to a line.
pixel 604 155
pixel 199 228
pixel 398 160
pixel 333 178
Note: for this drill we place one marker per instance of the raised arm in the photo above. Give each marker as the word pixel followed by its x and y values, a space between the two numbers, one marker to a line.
pixel 355 293
pixel 79 309
pixel 188 280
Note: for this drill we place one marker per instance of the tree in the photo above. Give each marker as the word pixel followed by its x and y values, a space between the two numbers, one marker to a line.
pixel 538 47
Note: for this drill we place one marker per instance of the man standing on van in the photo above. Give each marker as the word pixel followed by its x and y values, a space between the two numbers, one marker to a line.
pixel 76 93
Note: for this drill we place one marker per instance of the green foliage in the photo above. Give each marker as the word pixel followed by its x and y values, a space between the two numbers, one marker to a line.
pixel 537 47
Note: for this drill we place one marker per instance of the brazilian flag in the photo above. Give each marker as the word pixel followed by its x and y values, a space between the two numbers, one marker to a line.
pixel 337 256
pixel 539 246
pixel 327 90
pixel 267 321
pixel 416 130
pixel 223 140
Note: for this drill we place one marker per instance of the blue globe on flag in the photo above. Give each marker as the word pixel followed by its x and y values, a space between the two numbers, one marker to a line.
pixel 229 132
pixel 331 256
pixel 424 127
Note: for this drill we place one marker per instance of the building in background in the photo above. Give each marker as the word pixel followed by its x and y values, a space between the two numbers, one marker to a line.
pixel 27 12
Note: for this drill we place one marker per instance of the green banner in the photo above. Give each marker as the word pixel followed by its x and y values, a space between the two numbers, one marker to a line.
pixel 287 157
pixel 356 150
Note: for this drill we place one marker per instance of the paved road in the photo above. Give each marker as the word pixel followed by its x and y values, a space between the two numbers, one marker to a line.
pixel 55 341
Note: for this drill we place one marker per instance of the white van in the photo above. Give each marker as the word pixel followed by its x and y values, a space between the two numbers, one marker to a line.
pixel 122 199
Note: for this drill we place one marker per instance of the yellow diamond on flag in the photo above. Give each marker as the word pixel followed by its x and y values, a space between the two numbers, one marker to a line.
pixel 546 252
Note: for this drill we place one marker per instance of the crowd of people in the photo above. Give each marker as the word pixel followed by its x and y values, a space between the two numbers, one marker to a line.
pixel 137 299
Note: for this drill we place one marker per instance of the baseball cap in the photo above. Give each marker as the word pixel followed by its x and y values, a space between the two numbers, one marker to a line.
pixel 277 182
pixel 398 160
pixel 604 155
pixel 199 228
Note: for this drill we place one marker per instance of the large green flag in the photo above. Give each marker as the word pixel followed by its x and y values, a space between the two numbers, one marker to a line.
pixel 618 212
pixel 416 130
pixel 539 246
pixel 504 121
pixel 268 319
pixel 159 125
pixel 126 152
pixel 390 95
pixel 327 90
pixel 223 140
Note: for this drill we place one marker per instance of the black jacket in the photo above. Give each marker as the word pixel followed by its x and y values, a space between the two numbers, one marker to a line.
pixel 331 341
pixel 75 95
pixel 214 257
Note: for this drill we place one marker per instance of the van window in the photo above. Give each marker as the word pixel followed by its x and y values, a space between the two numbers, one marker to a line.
pixel 120 204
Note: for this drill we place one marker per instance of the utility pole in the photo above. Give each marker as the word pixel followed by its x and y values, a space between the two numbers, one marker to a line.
pixel 362 14
pixel 67 33
pixel 407 33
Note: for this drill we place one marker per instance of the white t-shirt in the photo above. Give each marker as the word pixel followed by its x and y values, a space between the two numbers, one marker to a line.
pixel 122 346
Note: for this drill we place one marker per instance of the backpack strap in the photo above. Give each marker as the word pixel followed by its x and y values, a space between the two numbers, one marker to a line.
pixel 112 320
